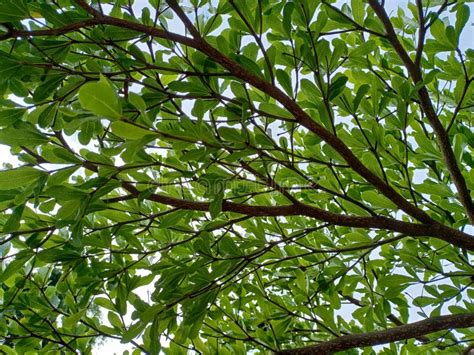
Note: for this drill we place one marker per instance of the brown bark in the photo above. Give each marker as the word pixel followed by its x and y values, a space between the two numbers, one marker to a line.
pixel 436 230
pixel 427 107
pixel 403 332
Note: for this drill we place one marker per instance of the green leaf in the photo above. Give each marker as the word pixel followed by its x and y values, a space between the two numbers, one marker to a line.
pixel 20 177
pixel 215 207
pixel 337 86
pixel 137 53
pixel 423 301
pixel 14 220
pixel 24 135
pixel 133 331
pixel 231 135
pixel 137 101
pixel 114 320
pixel 378 200
pixel 7 350
pixel 13 10
pixel 191 86
pixel 462 17
pixel 439 32
pixel 171 219
pixel 248 64
pixel 285 81
pixel 46 117
pixel 16 265
pixel 275 110
pixel 11 115
pixel 431 188
pixel 101 99
pixel 390 280
pixel 155 346
pixel 72 320
pixel 194 314
pixel 361 92
pixel 48 88
pixel 9 66
pixel 311 91
pixel 364 49
pixel 57 255
pixel 130 131
pixel 121 299
pixel 337 16
pixel 358 11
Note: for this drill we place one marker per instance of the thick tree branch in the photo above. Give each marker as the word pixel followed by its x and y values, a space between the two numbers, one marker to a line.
pixel 427 107
pixel 439 231
pixel 105 20
pixel 402 332
pixel 421 33
pixel 186 21
pixel 450 235
pixel 14 33
pixel 436 230
pixel 390 317
pixel 270 182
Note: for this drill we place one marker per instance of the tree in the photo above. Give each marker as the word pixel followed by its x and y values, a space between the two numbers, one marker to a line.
pixel 286 176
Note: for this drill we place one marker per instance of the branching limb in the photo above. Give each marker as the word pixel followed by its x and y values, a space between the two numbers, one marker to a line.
pixel 427 107
pixel 402 332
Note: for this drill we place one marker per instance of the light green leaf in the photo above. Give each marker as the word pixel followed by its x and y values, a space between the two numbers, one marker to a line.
pixel 130 131
pixel 20 177
pixel 274 110
pixel 462 17
pixel 285 81
pixel 13 221
pixel 378 200
pixel 358 11
pixel 11 115
pixel 101 99
pixel 73 319
pixel 137 101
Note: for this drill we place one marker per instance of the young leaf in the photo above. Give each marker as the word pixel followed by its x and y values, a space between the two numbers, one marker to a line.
pixel 130 131
pixel 101 99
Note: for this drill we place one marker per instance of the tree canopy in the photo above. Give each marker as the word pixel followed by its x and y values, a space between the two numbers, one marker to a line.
pixel 234 176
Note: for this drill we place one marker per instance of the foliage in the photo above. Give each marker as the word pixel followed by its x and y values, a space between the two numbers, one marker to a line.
pixel 236 175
